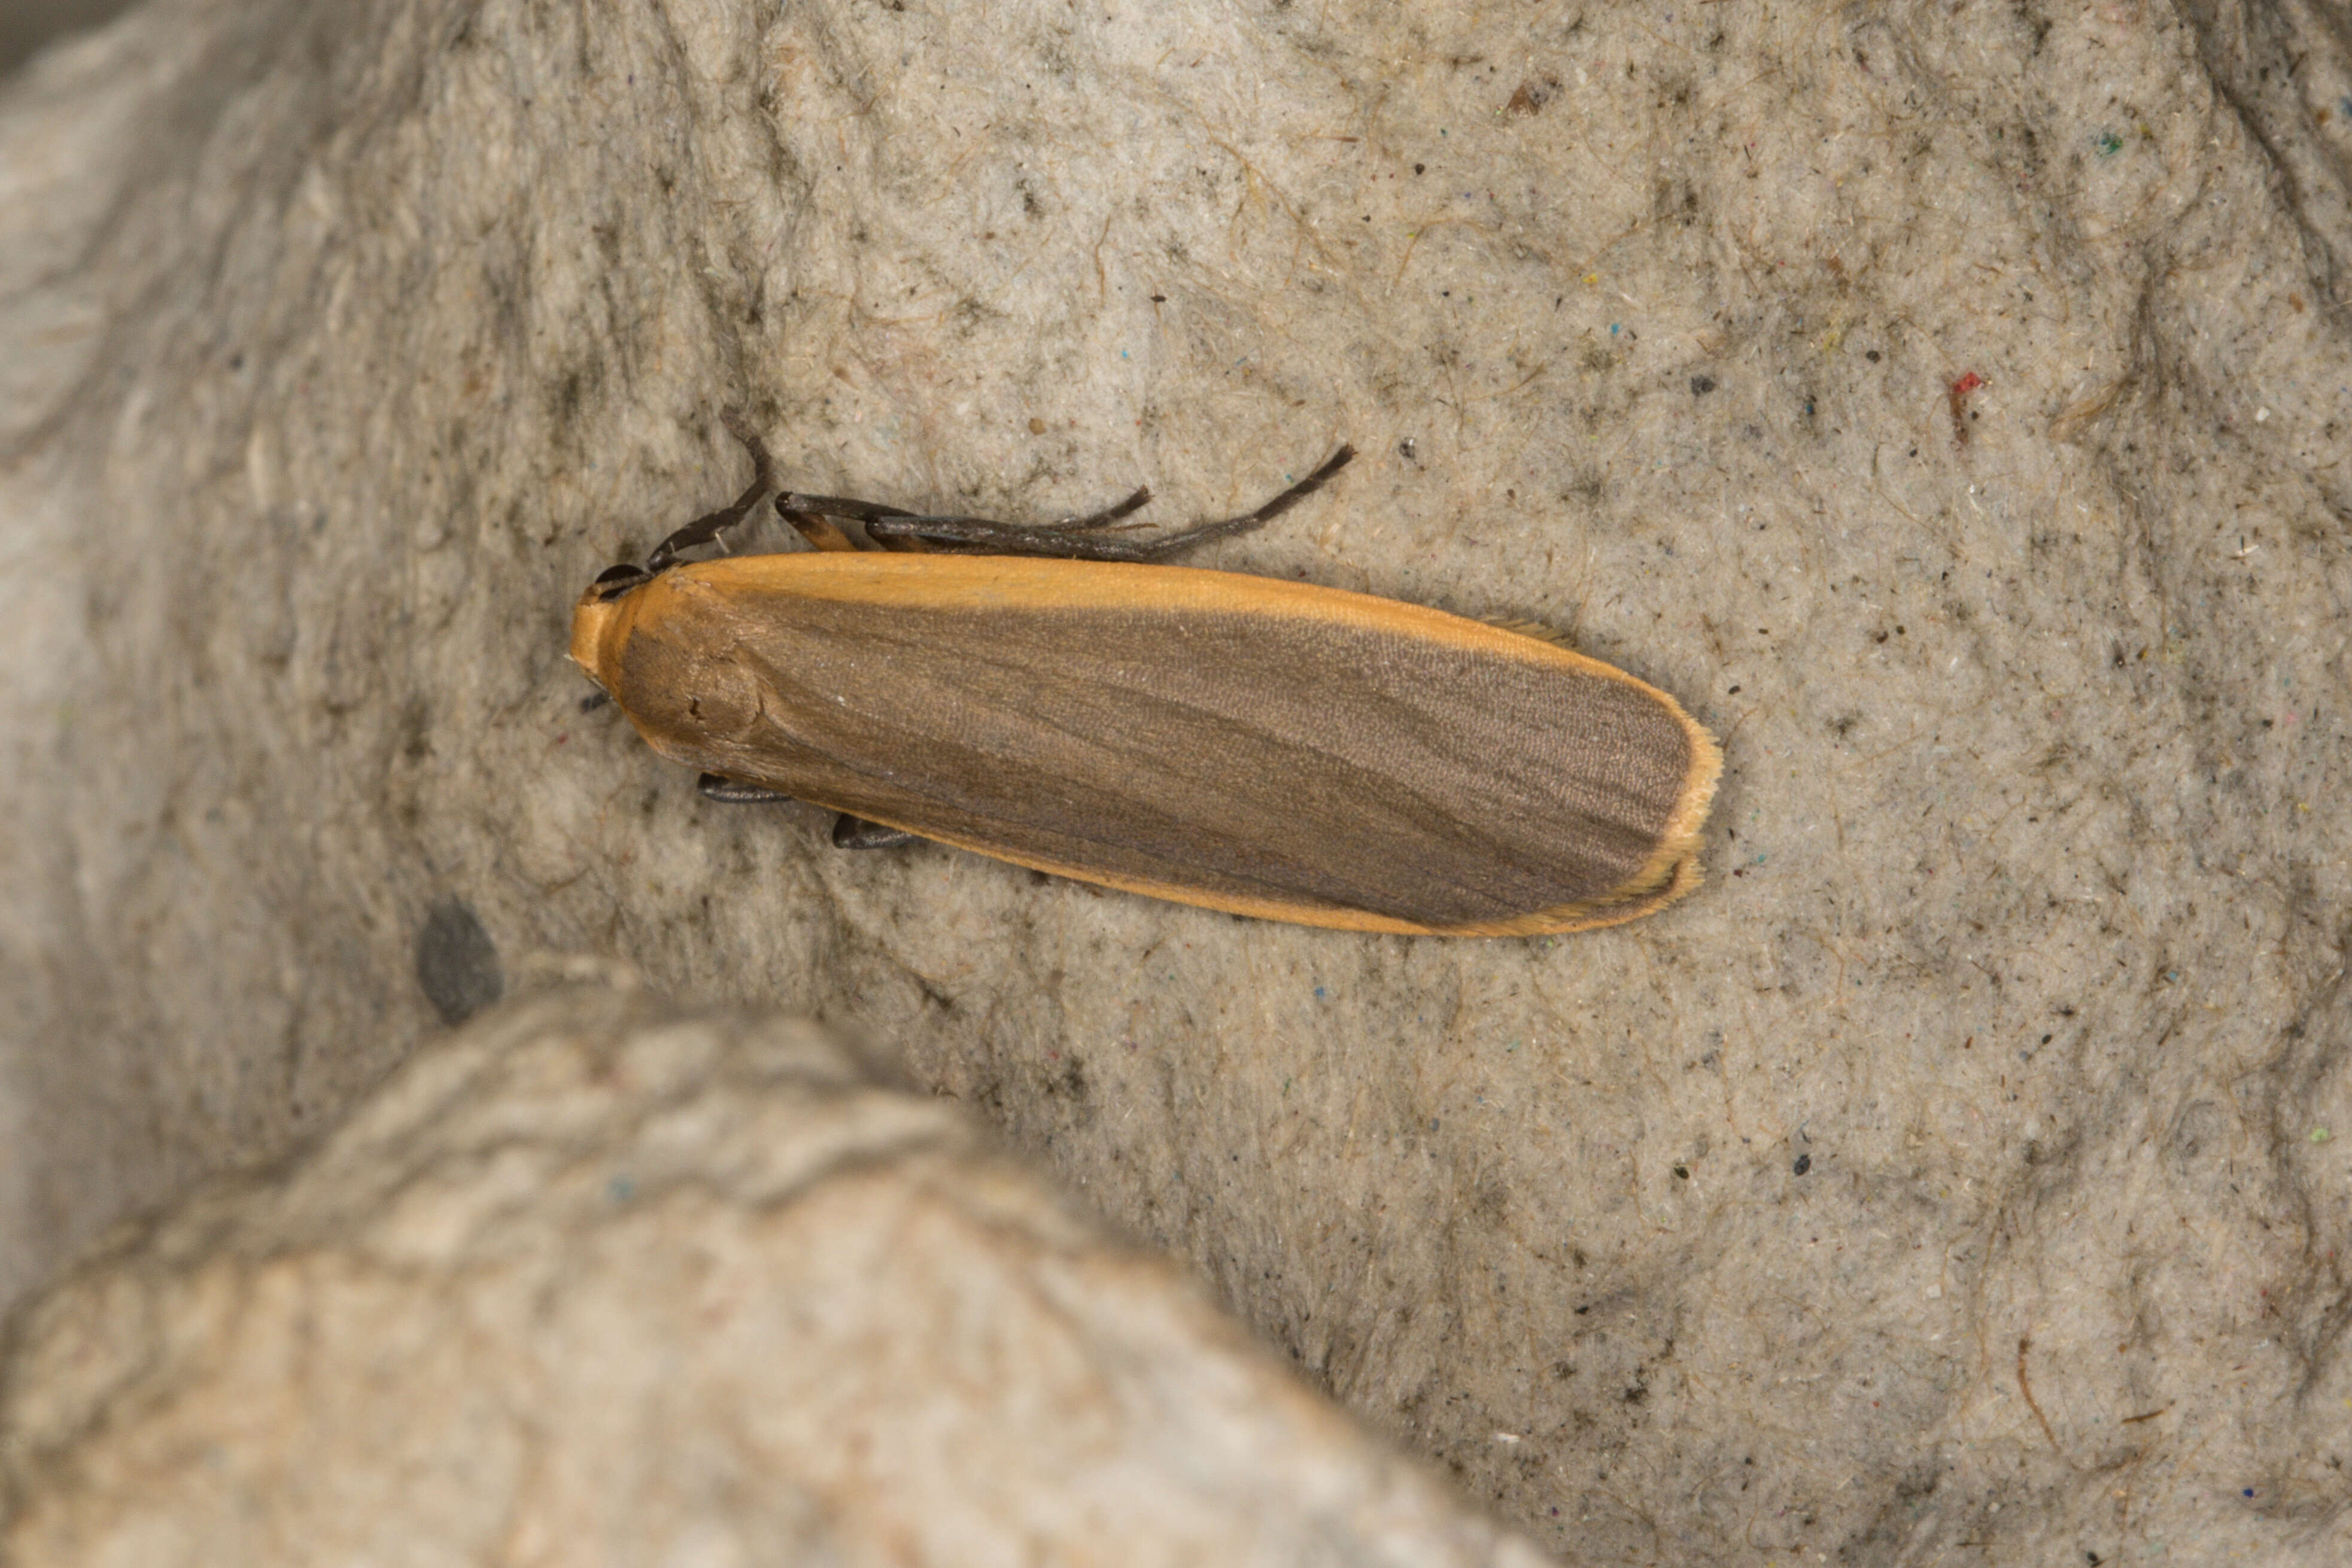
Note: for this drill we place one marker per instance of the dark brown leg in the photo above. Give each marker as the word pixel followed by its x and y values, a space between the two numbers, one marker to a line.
pixel 1073 540
pixel 856 833
pixel 707 528
pixel 735 792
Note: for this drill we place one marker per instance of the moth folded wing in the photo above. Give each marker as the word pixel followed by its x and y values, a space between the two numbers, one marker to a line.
pixel 1030 744
pixel 1332 760
pixel 1333 771
pixel 1672 868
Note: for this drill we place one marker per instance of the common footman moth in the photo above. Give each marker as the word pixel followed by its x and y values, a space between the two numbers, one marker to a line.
pixel 1055 696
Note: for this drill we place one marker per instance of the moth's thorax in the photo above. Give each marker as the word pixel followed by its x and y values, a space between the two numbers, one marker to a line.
pixel 666 652
pixel 595 635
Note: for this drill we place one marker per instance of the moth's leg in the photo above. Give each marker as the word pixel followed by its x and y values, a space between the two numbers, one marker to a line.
pixel 1073 541
pixel 981 536
pixel 818 529
pixel 856 833
pixel 1104 518
pixel 848 831
pixel 1184 539
pixel 897 529
pixel 1070 540
pixel 703 530
pixel 901 546
pixel 813 516
pixel 735 792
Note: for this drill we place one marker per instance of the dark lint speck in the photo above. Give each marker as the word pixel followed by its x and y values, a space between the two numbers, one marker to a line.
pixel 456 962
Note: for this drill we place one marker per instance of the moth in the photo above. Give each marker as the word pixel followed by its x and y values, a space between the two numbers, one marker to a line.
pixel 1060 696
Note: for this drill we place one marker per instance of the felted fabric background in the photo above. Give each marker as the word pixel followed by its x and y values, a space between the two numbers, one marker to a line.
pixel 1948 403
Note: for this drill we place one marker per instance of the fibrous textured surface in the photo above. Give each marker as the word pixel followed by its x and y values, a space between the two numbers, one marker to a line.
pixel 1948 403
pixel 595 1281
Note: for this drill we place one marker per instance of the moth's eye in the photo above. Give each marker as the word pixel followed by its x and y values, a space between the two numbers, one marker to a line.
pixel 614 574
